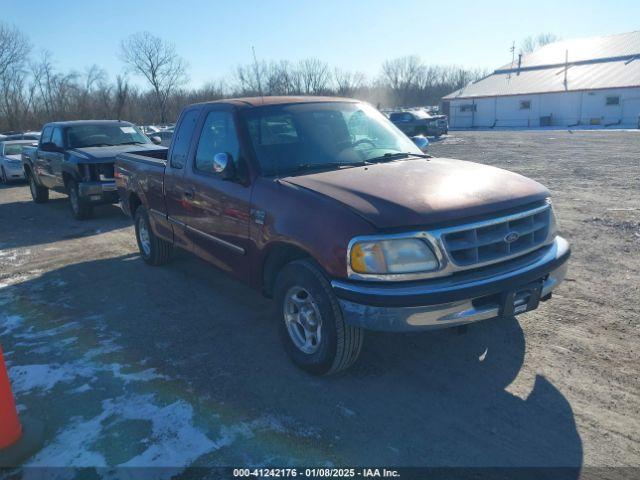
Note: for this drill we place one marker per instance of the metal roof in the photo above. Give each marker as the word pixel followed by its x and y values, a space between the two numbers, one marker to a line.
pixel 593 63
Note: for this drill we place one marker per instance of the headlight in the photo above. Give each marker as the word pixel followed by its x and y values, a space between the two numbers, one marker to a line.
pixel 402 255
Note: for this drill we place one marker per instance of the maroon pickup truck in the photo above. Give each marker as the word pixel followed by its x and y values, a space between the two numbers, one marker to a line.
pixel 325 206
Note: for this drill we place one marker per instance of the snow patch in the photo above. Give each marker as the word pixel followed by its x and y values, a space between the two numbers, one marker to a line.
pixel 25 378
pixel 10 323
pixel 143 376
pixel 174 442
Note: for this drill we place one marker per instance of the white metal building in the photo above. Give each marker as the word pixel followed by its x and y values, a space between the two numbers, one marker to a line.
pixel 588 81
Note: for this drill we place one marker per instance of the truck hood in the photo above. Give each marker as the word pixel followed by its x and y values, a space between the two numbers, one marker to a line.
pixel 421 192
pixel 102 154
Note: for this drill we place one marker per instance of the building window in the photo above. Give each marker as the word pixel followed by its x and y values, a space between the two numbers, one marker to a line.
pixel 468 108
pixel 525 104
pixel 613 100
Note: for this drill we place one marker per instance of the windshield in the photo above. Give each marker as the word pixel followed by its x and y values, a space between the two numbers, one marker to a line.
pixel 288 138
pixel 13 149
pixel 104 135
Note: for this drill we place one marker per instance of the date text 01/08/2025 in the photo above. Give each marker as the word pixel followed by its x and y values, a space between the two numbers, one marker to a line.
pixel 316 472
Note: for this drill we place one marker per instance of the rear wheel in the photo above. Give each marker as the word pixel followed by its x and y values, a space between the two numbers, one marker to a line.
pixel 311 325
pixel 38 194
pixel 81 208
pixel 153 250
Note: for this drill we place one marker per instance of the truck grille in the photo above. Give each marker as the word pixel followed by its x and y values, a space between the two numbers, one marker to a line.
pixel 102 171
pixel 493 241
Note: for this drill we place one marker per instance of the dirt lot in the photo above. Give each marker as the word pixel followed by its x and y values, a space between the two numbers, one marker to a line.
pixel 179 365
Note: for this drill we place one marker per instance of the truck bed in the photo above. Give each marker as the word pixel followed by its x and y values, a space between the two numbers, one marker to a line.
pixel 141 173
pixel 155 156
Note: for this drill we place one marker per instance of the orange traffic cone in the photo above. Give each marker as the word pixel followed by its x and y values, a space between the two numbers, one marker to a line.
pixel 10 428
pixel 15 447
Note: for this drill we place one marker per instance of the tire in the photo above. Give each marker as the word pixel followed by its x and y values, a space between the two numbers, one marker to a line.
pixel 80 208
pixel 153 250
pixel 38 194
pixel 302 286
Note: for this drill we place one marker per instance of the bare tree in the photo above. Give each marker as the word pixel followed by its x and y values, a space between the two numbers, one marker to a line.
pixel 32 96
pixel 313 76
pixel 156 61
pixel 532 43
pixel 402 75
pixel 14 48
pixel 121 95
pixel 348 83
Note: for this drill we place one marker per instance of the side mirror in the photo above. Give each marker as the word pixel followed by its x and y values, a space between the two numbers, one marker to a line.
pixel 156 139
pixel 223 166
pixel 49 147
pixel 421 142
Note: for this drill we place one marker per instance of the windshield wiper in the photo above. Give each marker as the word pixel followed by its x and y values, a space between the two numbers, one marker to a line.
pixel 389 157
pixel 133 143
pixel 306 167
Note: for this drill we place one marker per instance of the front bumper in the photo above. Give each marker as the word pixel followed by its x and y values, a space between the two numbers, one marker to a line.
pixel 450 301
pixel 99 192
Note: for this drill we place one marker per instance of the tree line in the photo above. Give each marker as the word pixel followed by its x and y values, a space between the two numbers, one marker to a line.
pixel 33 91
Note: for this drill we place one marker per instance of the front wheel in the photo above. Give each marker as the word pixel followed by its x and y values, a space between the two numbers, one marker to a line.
pixel 81 208
pixel 38 194
pixel 153 250
pixel 311 325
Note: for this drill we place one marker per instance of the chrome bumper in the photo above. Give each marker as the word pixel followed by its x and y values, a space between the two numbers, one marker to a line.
pixel 451 313
pixel 99 192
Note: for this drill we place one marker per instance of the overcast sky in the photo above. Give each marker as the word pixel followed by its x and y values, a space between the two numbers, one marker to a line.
pixel 215 36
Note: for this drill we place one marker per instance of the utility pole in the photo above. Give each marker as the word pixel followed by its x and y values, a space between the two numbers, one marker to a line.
pixel 566 67
pixel 513 57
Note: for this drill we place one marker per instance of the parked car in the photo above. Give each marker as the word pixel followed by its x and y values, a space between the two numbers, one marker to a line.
pixel 149 129
pixel 11 159
pixel 325 206
pixel 21 136
pixel 77 158
pixel 419 122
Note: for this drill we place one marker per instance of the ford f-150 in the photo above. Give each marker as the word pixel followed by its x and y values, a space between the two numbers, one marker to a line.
pixel 325 206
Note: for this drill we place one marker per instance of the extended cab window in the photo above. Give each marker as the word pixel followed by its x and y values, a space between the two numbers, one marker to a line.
pixel 182 139
pixel 218 136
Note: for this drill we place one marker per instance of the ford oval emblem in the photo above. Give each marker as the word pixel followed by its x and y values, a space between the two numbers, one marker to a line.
pixel 511 237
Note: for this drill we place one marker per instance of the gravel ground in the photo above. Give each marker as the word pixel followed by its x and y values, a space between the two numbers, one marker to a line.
pixel 131 365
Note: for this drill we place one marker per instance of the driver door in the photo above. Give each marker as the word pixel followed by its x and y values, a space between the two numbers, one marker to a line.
pixel 219 210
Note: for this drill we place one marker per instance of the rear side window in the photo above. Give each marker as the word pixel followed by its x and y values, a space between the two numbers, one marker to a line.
pixel 182 139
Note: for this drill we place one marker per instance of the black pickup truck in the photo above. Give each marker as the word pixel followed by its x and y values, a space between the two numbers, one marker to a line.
pixel 77 158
